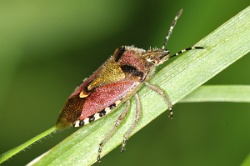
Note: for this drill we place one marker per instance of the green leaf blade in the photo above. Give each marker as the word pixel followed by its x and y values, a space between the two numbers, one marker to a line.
pixel 224 46
pixel 219 93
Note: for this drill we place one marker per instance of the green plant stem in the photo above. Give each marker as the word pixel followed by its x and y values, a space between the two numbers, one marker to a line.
pixel 5 156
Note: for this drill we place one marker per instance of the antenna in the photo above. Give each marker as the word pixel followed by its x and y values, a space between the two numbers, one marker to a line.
pixel 171 29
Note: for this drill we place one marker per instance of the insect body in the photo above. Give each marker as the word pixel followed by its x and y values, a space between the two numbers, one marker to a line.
pixel 114 83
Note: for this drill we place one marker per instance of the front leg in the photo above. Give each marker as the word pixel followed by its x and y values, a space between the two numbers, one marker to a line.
pixel 164 95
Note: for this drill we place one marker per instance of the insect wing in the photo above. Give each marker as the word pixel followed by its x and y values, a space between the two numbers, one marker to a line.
pixel 105 98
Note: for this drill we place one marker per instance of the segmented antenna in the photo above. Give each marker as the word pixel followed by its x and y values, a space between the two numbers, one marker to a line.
pixel 186 49
pixel 171 29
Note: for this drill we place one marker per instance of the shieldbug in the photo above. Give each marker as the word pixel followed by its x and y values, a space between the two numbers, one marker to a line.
pixel 114 83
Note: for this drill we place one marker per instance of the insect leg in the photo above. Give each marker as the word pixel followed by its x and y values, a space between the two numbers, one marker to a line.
pixel 164 95
pixel 111 132
pixel 137 117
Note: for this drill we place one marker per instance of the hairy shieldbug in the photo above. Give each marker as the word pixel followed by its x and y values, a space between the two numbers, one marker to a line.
pixel 114 83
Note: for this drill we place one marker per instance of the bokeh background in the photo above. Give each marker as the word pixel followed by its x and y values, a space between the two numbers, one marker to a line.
pixel 48 47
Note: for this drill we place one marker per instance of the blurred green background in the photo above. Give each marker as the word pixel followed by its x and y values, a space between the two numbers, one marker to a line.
pixel 48 47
